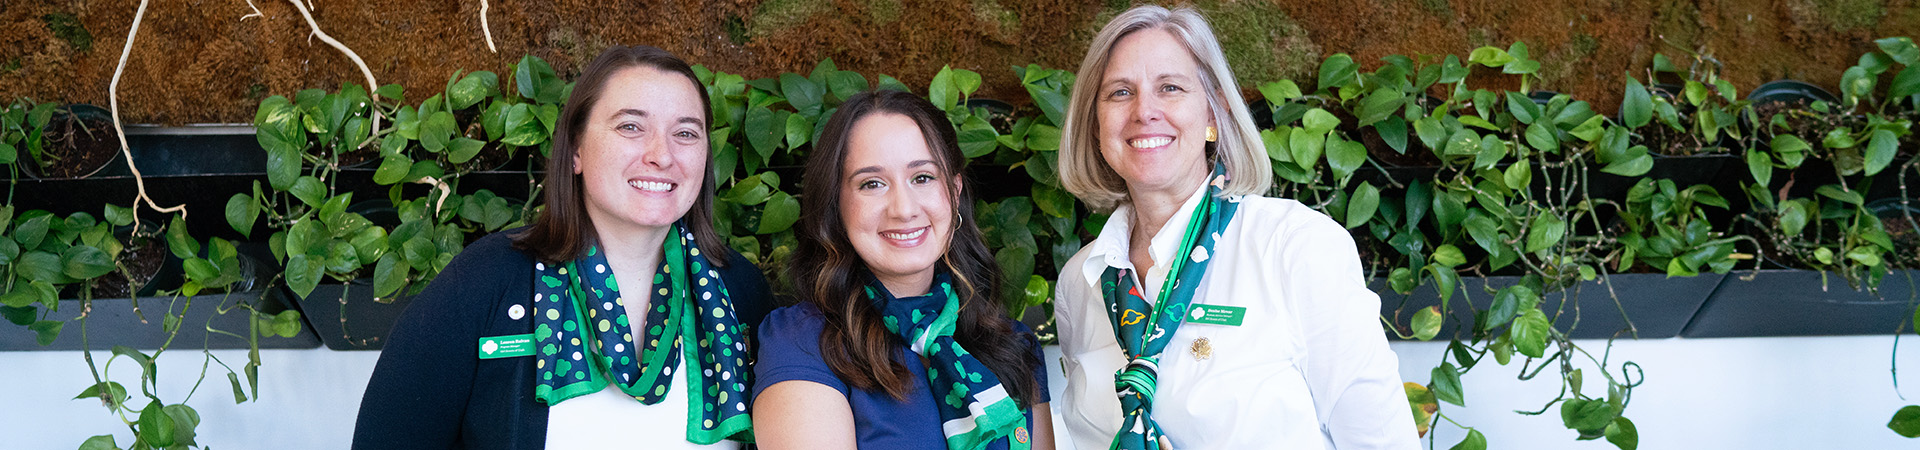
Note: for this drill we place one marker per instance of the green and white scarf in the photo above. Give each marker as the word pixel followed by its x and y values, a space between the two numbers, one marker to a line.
pixel 1144 329
pixel 585 341
pixel 975 409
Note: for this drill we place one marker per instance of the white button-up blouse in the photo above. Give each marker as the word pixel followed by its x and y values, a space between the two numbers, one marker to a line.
pixel 1307 368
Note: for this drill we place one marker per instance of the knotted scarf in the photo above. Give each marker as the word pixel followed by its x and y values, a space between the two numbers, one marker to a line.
pixel 585 341
pixel 1144 329
pixel 975 409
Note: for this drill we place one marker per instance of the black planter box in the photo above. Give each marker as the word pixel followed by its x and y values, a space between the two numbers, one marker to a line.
pixel 367 322
pixel 1658 306
pixel 113 322
pixel 1787 302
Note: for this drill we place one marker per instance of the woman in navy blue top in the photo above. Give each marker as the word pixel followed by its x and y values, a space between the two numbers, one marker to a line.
pixel 900 340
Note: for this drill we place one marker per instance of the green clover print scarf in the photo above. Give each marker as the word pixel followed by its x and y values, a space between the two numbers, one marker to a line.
pixel 975 409
pixel 1144 329
pixel 585 340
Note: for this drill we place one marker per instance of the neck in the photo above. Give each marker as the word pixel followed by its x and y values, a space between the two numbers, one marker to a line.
pixel 912 285
pixel 633 251
pixel 1152 208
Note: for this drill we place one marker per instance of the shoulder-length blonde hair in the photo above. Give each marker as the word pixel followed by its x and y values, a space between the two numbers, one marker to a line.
pixel 1086 174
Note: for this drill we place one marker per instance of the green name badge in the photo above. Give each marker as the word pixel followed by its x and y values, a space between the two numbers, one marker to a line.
pixel 1216 315
pixel 506 346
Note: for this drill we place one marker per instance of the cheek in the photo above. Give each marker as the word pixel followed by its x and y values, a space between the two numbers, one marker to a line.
pixel 852 213
pixel 692 158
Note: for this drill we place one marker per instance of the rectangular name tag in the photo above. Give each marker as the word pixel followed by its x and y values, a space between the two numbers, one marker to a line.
pixel 1217 315
pixel 506 346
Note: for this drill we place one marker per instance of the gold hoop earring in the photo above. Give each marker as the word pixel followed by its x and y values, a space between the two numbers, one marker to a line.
pixel 1213 134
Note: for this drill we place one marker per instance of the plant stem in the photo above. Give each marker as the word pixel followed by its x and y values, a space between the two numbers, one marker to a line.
pixel 371 84
pixel 113 102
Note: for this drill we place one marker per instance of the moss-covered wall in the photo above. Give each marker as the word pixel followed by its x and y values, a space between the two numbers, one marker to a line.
pixel 210 62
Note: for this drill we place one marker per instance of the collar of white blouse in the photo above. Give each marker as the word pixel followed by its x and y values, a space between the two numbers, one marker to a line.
pixel 1110 249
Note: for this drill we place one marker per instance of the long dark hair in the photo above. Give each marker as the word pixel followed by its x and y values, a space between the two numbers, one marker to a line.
pixel 563 231
pixel 827 272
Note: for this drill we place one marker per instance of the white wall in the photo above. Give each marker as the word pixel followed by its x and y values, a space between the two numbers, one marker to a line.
pixel 1746 393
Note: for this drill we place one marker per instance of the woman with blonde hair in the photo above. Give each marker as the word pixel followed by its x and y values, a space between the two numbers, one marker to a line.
pixel 1224 319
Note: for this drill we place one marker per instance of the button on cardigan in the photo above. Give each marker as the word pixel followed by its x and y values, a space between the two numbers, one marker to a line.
pixel 430 390
pixel 1307 368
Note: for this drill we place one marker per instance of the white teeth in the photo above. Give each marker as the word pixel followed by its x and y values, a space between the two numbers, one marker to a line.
pixel 904 236
pixel 653 186
pixel 1154 142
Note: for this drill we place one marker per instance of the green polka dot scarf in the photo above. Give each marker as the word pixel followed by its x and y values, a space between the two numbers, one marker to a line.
pixel 975 409
pixel 585 342
pixel 1143 329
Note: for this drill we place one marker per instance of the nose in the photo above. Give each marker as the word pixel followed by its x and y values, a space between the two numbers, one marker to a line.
pixel 1148 109
pixel 656 152
pixel 901 204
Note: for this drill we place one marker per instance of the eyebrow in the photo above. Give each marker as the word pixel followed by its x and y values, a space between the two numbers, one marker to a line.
pixel 635 112
pixel 1164 76
pixel 872 169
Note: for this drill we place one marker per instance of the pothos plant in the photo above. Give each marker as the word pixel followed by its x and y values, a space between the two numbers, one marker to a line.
pixel 213 273
pixel 48 257
pixel 319 231
pixel 22 129
pixel 1844 150
pixel 45 257
pixel 1507 184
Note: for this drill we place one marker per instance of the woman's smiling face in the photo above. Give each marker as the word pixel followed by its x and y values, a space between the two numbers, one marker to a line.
pixel 643 151
pixel 895 202
pixel 1153 113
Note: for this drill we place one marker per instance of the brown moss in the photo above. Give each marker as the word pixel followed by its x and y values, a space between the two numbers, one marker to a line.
pixel 200 62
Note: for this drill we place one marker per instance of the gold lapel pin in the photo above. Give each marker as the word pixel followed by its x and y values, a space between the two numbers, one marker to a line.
pixel 1202 349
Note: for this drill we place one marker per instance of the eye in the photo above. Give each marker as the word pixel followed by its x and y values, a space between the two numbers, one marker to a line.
pixel 687 134
pixel 870 184
pixel 1121 92
pixel 1172 88
pixel 628 126
pixel 923 178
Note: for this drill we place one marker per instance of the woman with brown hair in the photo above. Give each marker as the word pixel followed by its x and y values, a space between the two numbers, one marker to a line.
pixel 900 340
pixel 526 340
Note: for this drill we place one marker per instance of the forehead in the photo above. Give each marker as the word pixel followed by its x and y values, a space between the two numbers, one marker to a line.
pixel 1148 53
pixel 667 94
pixel 885 139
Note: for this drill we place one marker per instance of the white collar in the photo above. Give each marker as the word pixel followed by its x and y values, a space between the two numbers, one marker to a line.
pixel 1110 248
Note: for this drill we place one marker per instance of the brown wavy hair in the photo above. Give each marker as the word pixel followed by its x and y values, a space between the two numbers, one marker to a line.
pixel 563 231
pixel 827 272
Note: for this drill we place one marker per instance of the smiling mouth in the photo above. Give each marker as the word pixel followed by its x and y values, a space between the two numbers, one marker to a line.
pixel 905 236
pixel 1150 143
pixel 652 186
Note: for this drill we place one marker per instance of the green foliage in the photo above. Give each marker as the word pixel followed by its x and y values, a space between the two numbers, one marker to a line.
pixel 22 129
pixel 1503 183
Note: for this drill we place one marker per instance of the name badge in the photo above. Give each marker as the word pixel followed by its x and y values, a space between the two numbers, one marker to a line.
pixel 1217 315
pixel 506 346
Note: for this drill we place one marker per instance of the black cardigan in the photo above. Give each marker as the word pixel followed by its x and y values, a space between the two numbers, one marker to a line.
pixel 430 390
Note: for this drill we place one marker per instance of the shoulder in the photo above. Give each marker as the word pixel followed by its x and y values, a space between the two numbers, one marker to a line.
pixel 489 267
pixel 488 258
pixel 1070 271
pixel 789 350
pixel 1284 212
pixel 1073 274
pixel 798 323
pixel 1288 226
pixel 1020 327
